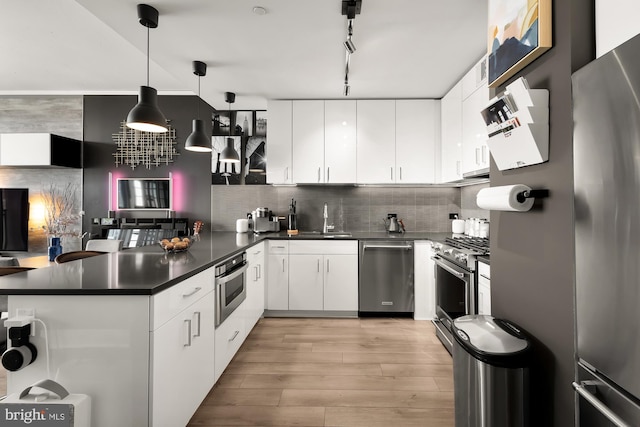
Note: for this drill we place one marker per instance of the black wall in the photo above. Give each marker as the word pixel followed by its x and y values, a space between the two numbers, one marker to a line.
pixel 532 253
pixel 102 118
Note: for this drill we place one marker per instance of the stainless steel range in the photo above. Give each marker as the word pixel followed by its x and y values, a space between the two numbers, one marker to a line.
pixel 456 293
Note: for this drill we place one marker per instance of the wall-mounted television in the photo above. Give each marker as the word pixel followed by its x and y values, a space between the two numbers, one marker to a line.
pixel 144 193
pixel 14 219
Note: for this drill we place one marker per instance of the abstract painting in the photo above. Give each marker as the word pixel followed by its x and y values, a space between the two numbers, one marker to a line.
pixel 519 32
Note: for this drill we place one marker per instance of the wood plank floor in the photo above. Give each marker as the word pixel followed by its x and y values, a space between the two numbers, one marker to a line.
pixel 368 372
pixel 335 372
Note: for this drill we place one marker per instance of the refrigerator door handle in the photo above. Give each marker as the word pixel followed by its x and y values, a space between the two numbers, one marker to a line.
pixel 583 391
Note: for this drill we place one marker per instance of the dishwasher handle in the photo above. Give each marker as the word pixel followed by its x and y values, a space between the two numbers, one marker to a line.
pixel 383 246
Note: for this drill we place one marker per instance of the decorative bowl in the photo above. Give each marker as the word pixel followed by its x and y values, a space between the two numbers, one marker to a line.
pixel 175 245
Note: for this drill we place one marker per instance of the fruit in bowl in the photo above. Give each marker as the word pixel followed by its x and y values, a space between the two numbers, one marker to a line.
pixel 176 244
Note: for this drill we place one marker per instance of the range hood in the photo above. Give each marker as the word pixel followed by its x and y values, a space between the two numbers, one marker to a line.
pixel 479 173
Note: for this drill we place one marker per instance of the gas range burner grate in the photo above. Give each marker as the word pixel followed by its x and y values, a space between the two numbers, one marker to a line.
pixel 477 244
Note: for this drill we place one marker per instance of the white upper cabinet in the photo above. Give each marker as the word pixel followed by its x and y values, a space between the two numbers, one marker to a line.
pixel 340 142
pixel 279 146
pixel 451 135
pixel 417 136
pixel 474 131
pixel 616 22
pixel 376 127
pixel 308 142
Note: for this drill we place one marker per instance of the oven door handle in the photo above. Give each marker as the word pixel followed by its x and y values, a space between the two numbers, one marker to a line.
pixel 236 273
pixel 448 268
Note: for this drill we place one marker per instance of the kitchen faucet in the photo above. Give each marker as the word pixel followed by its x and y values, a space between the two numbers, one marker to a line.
pixel 325 214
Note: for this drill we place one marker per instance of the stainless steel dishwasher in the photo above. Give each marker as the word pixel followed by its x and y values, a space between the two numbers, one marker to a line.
pixel 386 277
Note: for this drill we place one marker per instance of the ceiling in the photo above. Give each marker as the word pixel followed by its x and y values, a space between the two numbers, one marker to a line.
pixel 405 48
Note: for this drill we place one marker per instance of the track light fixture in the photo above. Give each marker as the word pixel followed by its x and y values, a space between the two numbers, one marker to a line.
pixel 350 8
pixel 198 140
pixel 145 115
pixel 229 154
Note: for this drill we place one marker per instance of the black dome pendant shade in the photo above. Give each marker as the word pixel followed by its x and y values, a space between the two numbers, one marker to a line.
pixel 229 154
pixel 145 115
pixel 198 140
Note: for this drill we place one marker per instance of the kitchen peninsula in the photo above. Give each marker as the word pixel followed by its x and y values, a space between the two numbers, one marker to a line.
pixel 113 321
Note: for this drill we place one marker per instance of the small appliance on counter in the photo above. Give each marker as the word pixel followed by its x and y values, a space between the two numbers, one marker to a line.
pixel 264 221
pixel 393 224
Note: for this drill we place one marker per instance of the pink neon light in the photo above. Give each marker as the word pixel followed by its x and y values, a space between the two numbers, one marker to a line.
pixel 177 191
pixel 113 205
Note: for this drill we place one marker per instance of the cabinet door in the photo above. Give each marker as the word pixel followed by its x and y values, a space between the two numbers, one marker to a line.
pixel 278 282
pixel 376 133
pixel 341 282
pixel 305 282
pixel 255 285
pixel 484 296
pixel 474 131
pixel 183 371
pixel 279 151
pixel 424 282
pixel 417 136
pixel 229 336
pixel 340 142
pixel 451 135
pixel 308 142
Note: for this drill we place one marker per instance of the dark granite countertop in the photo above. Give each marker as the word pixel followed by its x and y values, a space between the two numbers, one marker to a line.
pixel 148 270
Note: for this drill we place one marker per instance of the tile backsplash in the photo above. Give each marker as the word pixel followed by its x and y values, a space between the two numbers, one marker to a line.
pixel 424 209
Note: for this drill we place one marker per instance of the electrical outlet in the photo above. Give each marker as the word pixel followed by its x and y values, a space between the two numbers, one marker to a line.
pixel 454 216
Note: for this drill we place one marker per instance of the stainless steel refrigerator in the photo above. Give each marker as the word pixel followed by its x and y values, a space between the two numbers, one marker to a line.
pixel 606 113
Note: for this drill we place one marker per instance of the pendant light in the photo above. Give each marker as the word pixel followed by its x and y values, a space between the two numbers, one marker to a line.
pixel 146 116
pixel 198 140
pixel 229 154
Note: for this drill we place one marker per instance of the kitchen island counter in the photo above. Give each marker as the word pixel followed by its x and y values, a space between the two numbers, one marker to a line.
pixel 149 270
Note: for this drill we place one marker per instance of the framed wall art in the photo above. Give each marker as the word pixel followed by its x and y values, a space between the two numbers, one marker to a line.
pixel 519 31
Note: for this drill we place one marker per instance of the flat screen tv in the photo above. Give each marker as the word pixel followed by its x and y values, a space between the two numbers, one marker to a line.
pixel 14 219
pixel 144 193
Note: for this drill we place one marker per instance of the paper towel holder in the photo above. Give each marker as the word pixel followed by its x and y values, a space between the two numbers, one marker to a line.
pixel 531 194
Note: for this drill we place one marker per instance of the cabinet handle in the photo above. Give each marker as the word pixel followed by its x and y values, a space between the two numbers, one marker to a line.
pixel 259 270
pixel 319 174
pixel 255 269
pixel 286 174
pixel 400 173
pixel 327 173
pixel 197 316
pixel 477 156
pixel 277 247
pixel 235 334
pixel 327 265
pixel 257 252
pixel 391 168
pixel 484 154
pixel 188 343
pixel 193 292
pixel 458 167
pixel 318 265
pixel 283 265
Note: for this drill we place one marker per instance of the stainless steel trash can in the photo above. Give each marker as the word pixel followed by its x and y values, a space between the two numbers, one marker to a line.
pixel 490 372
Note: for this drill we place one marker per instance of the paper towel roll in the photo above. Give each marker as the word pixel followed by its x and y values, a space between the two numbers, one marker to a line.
pixel 504 198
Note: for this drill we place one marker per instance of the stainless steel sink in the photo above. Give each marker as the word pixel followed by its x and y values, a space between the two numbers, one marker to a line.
pixel 334 235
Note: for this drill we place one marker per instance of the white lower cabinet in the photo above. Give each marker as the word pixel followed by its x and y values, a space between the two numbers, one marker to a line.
pixel 182 363
pixel 277 275
pixel 424 281
pixel 255 301
pixel 323 276
pixel 229 337
pixel 484 289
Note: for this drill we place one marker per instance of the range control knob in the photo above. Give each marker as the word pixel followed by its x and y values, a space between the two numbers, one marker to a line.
pixel 448 251
pixel 462 258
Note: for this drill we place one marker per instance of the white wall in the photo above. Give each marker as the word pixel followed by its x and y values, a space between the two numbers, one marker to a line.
pixel 616 22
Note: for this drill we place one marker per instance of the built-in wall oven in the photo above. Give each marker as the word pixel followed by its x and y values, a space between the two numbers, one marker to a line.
pixel 456 293
pixel 230 285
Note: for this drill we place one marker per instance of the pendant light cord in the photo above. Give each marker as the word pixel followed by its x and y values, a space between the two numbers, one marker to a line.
pixel 198 100
pixel 147 56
